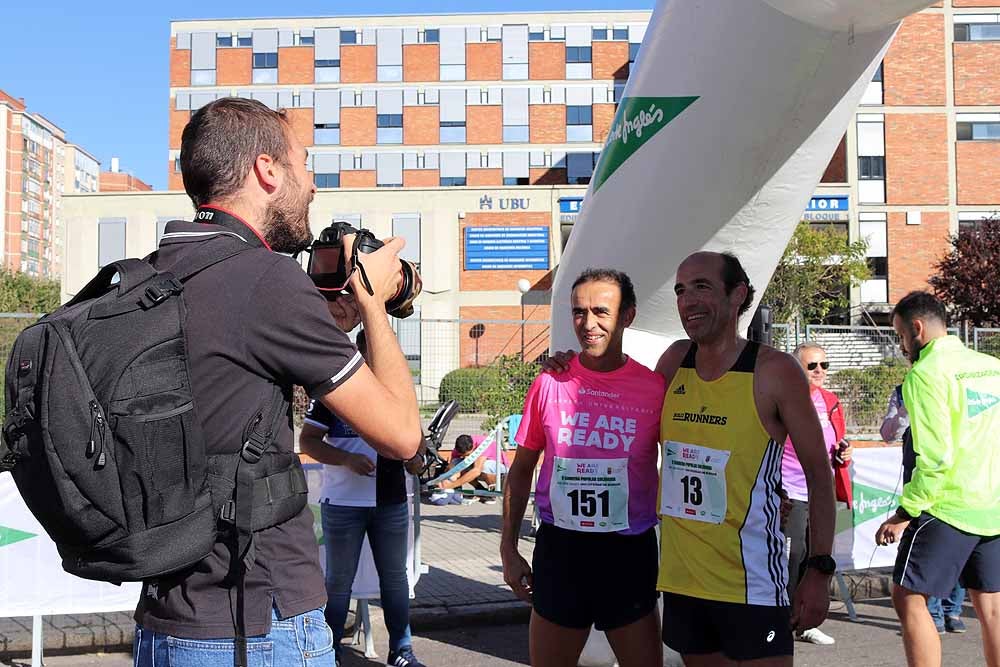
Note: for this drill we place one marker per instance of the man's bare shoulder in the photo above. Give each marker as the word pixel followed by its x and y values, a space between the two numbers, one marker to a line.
pixel 672 357
pixel 778 368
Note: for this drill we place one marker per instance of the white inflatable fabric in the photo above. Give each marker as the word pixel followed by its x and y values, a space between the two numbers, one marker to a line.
pixel 730 117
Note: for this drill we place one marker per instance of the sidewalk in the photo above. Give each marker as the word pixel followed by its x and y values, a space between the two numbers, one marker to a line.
pixel 464 585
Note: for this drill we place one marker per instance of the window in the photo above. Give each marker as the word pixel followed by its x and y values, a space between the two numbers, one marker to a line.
pixel 515 134
pixel 871 167
pixel 265 60
pixel 447 181
pixel 578 54
pixel 982 131
pixel 244 41
pixel 536 36
pixel 224 40
pixel 326 134
pixel 326 180
pixel 579 115
pixel 878 74
pixel 977 32
pixel 177 164
pixel 599 34
pixel 452 132
pixel 620 34
pixel 516 180
pixel 633 52
pixel 203 77
pixel 389 128
pixel 432 36
pixel 110 240
pixel 307 40
pixel 348 36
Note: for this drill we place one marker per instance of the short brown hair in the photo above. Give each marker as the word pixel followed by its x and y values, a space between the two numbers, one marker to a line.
pixel 221 142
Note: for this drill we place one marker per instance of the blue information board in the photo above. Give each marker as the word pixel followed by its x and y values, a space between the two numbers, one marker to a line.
pixel 493 248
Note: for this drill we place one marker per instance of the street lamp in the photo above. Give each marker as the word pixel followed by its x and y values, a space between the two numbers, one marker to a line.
pixel 523 286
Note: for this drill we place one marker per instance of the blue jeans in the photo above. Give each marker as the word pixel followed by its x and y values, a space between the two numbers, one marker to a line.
pixel 344 530
pixel 304 640
pixel 949 606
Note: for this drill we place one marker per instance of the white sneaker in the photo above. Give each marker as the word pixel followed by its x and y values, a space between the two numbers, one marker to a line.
pixel 816 636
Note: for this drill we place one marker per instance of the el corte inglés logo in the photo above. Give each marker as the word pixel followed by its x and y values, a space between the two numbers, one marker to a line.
pixel 637 121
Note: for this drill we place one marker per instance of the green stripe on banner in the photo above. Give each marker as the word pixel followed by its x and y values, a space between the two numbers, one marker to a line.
pixel 870 502
pixel 637 120
pixel 9 536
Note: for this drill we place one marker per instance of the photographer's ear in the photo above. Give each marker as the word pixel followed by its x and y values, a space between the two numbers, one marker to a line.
pixel 266 171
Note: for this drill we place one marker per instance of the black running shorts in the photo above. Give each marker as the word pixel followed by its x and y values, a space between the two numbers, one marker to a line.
pixel 933 555
pixel 603 579
pixel 692 626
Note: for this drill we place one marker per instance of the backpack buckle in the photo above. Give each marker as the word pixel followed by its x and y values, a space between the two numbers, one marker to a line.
pixel 160 291
pixel 228 512
pixel 253 450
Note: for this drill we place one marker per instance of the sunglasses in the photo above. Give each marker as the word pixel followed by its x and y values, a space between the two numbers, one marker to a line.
pixel 822 364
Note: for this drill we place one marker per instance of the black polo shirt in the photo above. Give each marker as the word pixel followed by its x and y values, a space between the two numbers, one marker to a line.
pixel 254 320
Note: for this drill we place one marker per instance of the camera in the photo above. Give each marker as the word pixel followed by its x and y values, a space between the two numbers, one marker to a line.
pixel 331 271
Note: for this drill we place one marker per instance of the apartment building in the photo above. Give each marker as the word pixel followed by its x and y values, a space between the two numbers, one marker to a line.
pixel 37 166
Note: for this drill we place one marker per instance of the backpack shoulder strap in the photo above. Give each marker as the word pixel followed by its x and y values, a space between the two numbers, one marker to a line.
pixel 131 272
pixel 207 253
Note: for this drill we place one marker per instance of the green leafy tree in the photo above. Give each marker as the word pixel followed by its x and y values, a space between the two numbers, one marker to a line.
pixel 966 277
pixel 506 396
pixel 20 293
pixel 813 278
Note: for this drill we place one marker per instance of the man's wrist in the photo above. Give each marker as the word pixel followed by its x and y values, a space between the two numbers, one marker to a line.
pixel 903 514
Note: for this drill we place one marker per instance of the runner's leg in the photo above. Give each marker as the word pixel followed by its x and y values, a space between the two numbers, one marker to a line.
pixel 920 637
pixel 988 611
pixel 552 645
pixel 638 644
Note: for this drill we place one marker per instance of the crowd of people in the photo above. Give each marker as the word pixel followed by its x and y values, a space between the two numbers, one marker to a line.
pixel 751 451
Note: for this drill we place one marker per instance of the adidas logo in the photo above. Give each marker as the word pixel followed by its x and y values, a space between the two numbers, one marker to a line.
pixel 680 390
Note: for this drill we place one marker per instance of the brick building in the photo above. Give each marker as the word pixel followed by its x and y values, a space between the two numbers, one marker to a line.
pixel 474 136
pixel 37 166
pixel 116 180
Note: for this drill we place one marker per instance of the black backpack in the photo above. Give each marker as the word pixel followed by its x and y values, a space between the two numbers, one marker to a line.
pixel 102 439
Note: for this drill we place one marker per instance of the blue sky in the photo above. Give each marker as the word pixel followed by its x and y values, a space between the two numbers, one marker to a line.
pixel 99 70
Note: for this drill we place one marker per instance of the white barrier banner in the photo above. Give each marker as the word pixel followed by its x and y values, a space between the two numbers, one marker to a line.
pixel 878 481
pixel 32 581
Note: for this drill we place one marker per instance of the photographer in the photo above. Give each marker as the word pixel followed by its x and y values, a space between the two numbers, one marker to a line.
pixel 363 493
pixel 254 322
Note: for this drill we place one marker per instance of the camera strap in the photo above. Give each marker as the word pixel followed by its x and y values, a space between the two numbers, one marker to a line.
pixel 356 265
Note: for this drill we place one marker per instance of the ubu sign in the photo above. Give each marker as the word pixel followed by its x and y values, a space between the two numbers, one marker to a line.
pixel 488 203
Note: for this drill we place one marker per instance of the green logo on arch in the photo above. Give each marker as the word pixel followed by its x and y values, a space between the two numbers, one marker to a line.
pixel 9 536
pixel 637 121
pixel 979 402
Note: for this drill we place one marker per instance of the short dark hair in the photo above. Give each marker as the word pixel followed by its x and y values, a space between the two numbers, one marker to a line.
pixel 619 278
pixel 221 142
pixel 733 274
pixel 920 305
pixel 463 444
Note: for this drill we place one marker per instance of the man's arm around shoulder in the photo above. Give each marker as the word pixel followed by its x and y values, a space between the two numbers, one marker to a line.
pixel 671 359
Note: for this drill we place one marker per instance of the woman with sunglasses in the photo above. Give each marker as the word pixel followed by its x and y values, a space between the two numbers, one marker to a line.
pixel 793 479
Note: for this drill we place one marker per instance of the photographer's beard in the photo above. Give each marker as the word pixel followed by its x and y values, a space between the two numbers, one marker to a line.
pixel 287 218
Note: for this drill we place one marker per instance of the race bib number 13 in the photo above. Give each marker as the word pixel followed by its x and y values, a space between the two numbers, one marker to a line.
pixel 589 495
pixel 693 484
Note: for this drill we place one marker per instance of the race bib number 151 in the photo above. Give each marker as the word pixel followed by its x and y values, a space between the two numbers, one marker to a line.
pixel 694 482
pixel 590 495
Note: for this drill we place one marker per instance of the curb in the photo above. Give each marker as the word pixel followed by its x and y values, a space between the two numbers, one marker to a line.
pixel 111 633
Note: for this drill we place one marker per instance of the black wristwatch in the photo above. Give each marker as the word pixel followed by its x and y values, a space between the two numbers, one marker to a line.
pixel 823 564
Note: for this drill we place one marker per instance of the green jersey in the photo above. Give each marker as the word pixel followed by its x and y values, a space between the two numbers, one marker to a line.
pixel 953 396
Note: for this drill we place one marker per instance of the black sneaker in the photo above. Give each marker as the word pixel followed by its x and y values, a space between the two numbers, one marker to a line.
pixel 403 658
pixel 954 624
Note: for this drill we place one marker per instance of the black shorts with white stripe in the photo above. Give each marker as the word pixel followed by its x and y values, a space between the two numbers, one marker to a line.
pixel 933 555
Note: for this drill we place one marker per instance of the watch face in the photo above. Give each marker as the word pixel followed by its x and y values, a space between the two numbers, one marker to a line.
pixel 825 564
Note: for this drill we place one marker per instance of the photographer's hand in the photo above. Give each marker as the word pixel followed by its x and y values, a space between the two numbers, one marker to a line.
pixel 382 269
pixel 345 312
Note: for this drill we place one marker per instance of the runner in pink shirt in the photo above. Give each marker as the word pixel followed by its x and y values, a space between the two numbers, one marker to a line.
pixel 598 427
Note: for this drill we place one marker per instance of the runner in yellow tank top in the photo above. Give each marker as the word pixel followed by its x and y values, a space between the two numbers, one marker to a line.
pixel 729 404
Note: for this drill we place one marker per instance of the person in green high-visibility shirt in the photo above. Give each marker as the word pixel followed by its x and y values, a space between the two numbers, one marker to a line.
pixel 948 521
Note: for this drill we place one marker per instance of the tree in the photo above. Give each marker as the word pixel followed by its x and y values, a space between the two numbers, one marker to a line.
pixel 966 277
pixel 506 397
pixel 20 293
pixel 814 275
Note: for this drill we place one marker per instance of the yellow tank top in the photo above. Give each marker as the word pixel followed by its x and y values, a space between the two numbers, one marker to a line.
pixel 739 556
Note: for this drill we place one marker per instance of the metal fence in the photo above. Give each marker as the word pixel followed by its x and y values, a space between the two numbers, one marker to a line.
pixel 487 365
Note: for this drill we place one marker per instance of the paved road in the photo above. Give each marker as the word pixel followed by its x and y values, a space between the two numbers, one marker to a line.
pixel 872 641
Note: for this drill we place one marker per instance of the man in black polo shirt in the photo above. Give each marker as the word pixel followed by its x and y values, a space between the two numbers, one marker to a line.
pixel 256 321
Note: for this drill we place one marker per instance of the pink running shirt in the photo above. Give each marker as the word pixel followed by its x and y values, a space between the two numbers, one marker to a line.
pixel 602 429
pixel 793 478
